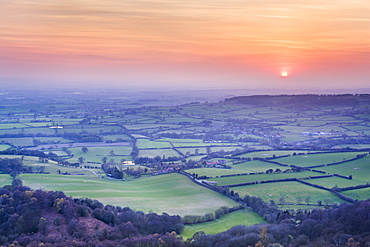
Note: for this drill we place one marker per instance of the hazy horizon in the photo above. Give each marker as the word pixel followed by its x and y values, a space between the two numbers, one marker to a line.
pixel 174 45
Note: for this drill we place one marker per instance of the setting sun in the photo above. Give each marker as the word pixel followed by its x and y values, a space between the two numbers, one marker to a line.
pixel 284 74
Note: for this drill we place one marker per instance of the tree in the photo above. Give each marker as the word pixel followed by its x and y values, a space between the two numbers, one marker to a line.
pixel 307 200
pixel 299 200
pixel 81 160
pixel 84 149
pixel 17 182
pixel 104 160
pixel 281 200
pixel 263 235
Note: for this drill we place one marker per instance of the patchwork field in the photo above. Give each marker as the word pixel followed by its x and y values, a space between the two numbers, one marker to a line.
pixel 203 132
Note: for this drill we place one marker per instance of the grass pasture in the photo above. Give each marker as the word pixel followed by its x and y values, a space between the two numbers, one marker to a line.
pixel 239 217
pixel 359 194
pixel 290 191
pixel 4 147
pixel 170 193
pixel 145 143
pixel 19 142
pixel 317 159
pixel 12 126
pixel 256 166
pixel 41 130
pixel 213 172
pixel 203 144
pixel 261 177
pixel 95 154
pixel 5 179
pixel 192 150
pixel 335 181
pixel 151 153
pixel 359 169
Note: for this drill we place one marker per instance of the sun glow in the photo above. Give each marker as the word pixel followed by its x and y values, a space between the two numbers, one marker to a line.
pixel 284 74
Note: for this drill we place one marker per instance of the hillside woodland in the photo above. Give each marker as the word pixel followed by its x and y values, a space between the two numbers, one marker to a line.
pixel 47 218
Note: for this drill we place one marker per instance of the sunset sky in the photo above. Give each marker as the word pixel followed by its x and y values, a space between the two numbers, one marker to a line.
pixel 209 43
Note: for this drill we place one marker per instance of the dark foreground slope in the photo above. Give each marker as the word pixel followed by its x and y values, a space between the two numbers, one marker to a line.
pixel 47 218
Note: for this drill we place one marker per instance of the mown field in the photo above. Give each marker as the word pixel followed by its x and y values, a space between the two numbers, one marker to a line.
pixel 171 193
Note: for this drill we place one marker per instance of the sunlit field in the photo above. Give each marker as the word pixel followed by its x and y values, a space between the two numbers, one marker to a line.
pixel 171 193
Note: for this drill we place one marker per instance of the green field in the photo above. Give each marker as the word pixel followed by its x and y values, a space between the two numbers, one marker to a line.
pixel 5 179
pixel 171 193
pixel 335 181
pixel 359 194
pixel 257 166
pixel 290 191
pixel 261 177
pixel 213 172
pixel 4 147
pixel 95 154
pixel 203 144
pixel 359 169
pixel 51 166
pixel 12 126
pixel 269 154
pixel 19 142
pixel 317 159
pixel 145 143
pixel 151 153
pixel 239 217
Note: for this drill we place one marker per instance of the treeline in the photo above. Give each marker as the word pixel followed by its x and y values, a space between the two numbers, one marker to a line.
pixel 13 167
pixel 344 225
pixel 25 152
pixel 79 137
pixel 47 218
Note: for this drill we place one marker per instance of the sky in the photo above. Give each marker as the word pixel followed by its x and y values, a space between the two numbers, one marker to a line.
pixel 176 43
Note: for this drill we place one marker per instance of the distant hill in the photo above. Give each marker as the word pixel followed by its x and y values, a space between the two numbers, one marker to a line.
pixel 304 99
